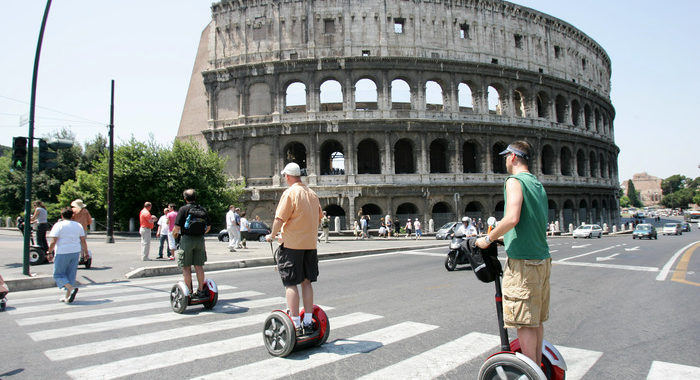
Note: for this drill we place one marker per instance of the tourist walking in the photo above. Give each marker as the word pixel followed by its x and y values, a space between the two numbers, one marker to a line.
pixel 67 244
pixel 162 233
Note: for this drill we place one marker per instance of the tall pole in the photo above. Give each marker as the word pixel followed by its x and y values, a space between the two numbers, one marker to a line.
pixel 110 180
pixel 30 146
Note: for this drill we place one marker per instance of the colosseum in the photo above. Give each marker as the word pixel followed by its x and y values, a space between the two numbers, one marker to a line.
pixel 400 107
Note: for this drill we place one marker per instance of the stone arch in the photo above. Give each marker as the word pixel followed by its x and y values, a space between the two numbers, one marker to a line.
pixel 583 212
pixel 560 104
pixel 332 158
pixel 498 163
pixel 588 120
pixel 442 213
pixel 400 95
pixel 439 160
pixel 474 210
pixel 470 157
pixel 465 97
pixel 233 162
pixel 295 98
pixel 598 122
pixel 542 105
pixel 260 99
pixel 495 104
pixel 434 96
pixel 296 152
pixel 374 212
pixel 404 160
pixel 499 210
pixel 261 166
pixel 566 161
pixel 332 210
pixel 548 161
pixel 568 214
pixel 595 212
pixel 593 163
pixel 576 113
pixel 519 102
pixel 368 157
pixel 405 211
pixel 551 211
pixel 603 167
pixel 331 95
pixel 365 94
pixel 227 102
pixel 581 163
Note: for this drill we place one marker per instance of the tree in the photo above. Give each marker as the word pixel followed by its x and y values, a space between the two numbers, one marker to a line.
pixel 624 201
pixel 633 195
pixel 679 199
pixel 674 183
pixel 94 150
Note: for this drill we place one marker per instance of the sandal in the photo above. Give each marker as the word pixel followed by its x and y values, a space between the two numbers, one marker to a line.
pixel 72 295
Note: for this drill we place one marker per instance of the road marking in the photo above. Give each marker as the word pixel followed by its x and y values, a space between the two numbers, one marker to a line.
pixel 330 352
pixel 610 266
pixel 670 371
pixel 158 360
pixel 580 246
pixel 439 360
pixel 681 272
pixel 116 310
pixel 578 361
pixel 589 253
pixel 667 268
pixel 632 249
pixel 117 324
pixel 606 258
pixel 424 254
pixel 554 250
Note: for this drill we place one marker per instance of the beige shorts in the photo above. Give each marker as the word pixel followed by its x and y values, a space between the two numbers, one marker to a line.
pixel 526 292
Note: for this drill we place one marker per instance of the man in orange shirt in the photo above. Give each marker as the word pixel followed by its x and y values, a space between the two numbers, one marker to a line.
pixel 81 214
pixel 296 219
pixel 146 225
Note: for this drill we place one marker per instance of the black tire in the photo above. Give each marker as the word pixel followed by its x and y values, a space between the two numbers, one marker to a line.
pixel 178 299
pixel 507 364
pixel 279 334
pixel 451 261
pixel 600 236
pixel 3 304
pixel 261 238
pixel 37 256
pixel 210 305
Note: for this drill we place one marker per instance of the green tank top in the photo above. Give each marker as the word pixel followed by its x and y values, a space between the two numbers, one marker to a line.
pixel 528 239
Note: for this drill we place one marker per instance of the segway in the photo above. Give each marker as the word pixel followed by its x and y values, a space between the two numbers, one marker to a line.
pixel 281 337
pixel 181 297
pixel 511 363
pixel 3 293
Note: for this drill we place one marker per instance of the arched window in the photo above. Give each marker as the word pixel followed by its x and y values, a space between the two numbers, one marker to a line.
pixel 433 96
pixel 542 105
pixel 334 211
pixel 403 157
pixel 441 214
pixel 583 212
pixel 548 160
pixel 566 164
pixel 331 96
pixel 464 95
pixel 438 157
pixel 568 215
pixel 519 103
pixel 576 113
pixel 400 95
pixel 295 99
pixel 587 118
pixel 561 108
pixel 296 152
pixel 406 211
pixel 603 166
pixel 474 210
pixel 499 163
pixel 494 100
pixel 593 164
pixel 368 160
pixel 332 158
pixel 365 95
pixel 470 158
pixel 374 212
pixel 551 211
pixel 581 163
pixel 498 212
pixel 598 122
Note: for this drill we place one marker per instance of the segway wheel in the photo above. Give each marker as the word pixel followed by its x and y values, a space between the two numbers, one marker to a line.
pixel 322 322
pixel 506 366
pixel 178 299
pixel 451 262
pixel 36 256
pixel 279 334
pixel 213 297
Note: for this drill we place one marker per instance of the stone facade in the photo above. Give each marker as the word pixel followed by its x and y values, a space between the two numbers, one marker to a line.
pixel 415 98
pixel 648 186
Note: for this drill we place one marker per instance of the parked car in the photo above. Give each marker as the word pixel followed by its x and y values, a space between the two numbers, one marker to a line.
pixel 672 229
pixel 588 231
pixel 256 231
pixel 445 232
pixel 644 230
pixel 685 227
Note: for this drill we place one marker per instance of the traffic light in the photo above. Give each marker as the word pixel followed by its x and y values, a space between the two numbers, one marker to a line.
pixel 47 158
pixel 19 153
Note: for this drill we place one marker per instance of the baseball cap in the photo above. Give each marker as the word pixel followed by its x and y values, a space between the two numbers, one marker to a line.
pixel 292 169
pixel 515 151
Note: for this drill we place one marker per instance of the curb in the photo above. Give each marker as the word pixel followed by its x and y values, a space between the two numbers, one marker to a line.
pixel 30 283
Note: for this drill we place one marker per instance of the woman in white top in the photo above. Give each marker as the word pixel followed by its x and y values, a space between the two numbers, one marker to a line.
pixel 244 229
pixel 68 244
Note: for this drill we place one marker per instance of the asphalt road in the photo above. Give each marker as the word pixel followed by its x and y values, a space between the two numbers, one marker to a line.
pixel 615 313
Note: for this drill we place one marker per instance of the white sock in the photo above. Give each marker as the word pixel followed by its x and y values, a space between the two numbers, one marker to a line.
pixel 296 321
pixel 307 318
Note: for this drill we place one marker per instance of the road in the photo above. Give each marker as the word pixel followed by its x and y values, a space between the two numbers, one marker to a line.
pixel 615 313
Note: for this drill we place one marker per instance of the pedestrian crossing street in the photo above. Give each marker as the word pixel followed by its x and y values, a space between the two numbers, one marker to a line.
pixel 104 334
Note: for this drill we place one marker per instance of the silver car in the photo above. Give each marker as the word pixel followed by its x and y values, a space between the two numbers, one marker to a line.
pixel 588 231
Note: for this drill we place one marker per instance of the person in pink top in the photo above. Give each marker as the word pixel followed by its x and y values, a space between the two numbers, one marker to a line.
pixel 172 214
pixel 146 225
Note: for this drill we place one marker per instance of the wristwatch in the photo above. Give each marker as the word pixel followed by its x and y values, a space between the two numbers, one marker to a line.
pixel 487 239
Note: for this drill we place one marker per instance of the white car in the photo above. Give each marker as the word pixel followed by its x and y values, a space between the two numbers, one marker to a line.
pixel 588 231
pixel 672 229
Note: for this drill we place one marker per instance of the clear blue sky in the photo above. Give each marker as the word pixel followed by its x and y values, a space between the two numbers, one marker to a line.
pixel 148 48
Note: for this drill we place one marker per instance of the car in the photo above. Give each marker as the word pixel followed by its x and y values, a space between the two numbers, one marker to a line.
pixel 445 232
pixel 256 231
pixel 685 227
pixel 672 229
pixel 588 231
pixel 644 230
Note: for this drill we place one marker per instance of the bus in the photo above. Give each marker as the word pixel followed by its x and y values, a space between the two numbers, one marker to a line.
pixel 693 216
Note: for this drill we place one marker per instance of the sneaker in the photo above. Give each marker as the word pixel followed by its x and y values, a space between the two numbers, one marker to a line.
pixel 171 258
pixel 310 328
pixel 232 249
pixel 299 331
pixel 201 293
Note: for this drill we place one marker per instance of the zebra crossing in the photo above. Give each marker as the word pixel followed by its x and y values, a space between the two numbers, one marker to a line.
pixel 105 338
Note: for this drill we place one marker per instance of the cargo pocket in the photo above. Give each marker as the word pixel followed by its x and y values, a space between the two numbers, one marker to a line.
pixel 180 254
pixel 516 306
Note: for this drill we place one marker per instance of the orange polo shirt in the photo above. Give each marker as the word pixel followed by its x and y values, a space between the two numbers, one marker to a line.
pixel 301 212
pixel 145 219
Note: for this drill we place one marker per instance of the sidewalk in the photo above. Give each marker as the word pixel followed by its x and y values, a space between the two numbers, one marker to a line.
pixel 122 259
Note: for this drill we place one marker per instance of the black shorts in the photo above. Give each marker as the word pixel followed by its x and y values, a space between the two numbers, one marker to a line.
pixel 296 265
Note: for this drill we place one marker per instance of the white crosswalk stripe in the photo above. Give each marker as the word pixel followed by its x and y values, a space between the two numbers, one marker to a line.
pixel 671 371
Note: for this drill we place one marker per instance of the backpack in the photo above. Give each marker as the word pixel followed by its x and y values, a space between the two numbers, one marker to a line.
pixel 196 222
pixel 324 222
pixel 484 262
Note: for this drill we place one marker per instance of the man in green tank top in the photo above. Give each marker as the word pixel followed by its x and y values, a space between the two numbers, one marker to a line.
pixel 524 231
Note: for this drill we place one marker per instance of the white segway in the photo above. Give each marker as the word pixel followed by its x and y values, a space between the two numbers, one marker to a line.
pixel 181 297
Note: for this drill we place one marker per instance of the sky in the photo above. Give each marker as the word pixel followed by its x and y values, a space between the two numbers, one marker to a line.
pixel 148 49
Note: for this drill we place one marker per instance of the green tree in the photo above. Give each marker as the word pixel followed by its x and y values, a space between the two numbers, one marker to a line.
pixel 633 194
pixel 674 183
pixel 12 183
pixel 90 189
pixel 624 201
pixel 679 199
pixel 94 150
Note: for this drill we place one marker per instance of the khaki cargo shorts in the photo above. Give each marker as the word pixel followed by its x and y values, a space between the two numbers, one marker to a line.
pixel 526 292
pixel 191 252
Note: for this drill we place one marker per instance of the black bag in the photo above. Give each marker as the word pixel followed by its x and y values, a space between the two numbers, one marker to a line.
pixel 196 222
pixel 484 262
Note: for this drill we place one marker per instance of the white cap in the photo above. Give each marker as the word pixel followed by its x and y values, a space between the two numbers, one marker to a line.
pixel 292 169
pixel 465 219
